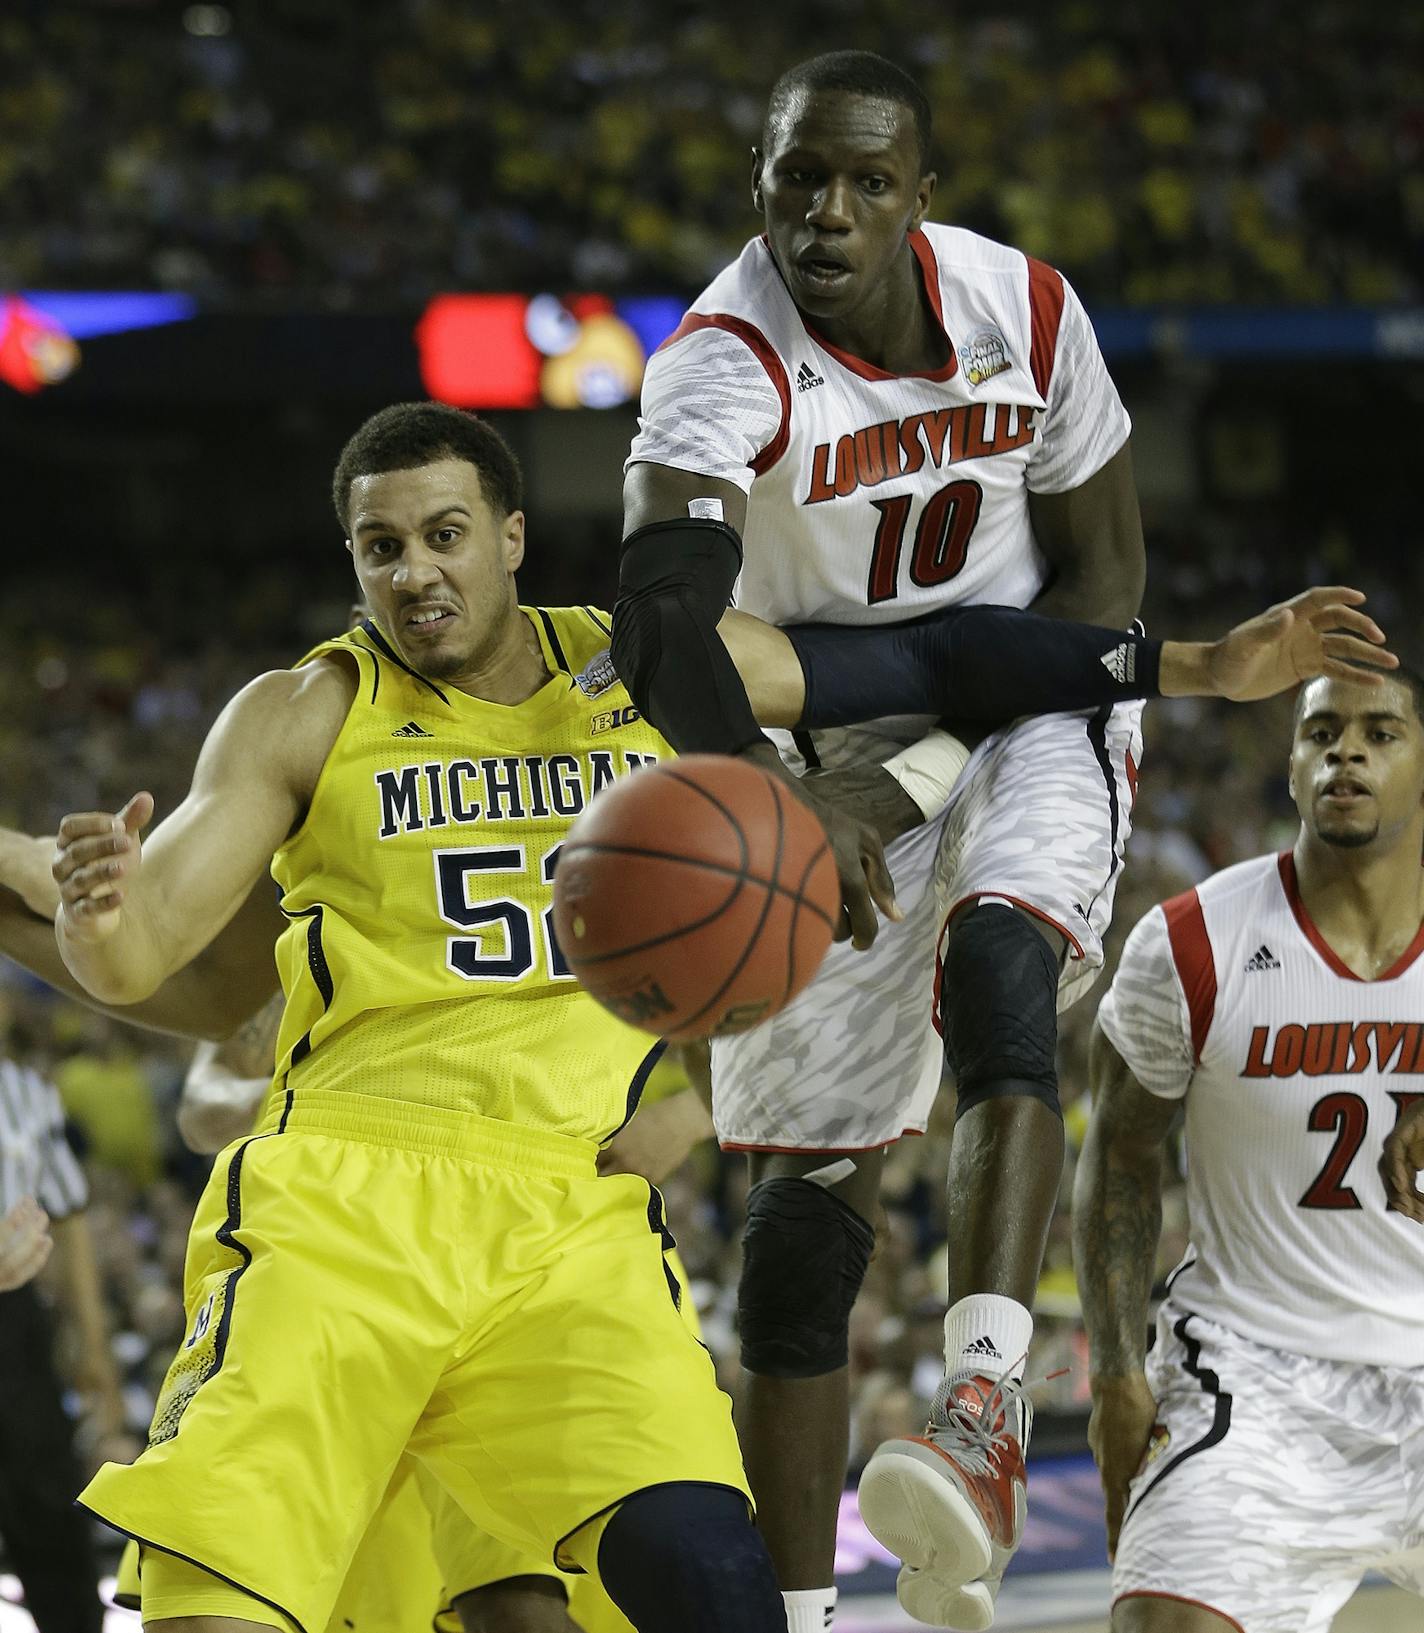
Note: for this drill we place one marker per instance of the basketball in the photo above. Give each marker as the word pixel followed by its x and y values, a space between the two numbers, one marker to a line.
pixel 695 898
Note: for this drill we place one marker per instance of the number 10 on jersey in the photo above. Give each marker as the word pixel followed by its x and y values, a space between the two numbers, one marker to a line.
pixel 941 544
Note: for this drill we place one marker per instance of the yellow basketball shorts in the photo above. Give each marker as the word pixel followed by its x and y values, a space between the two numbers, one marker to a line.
pixel 362 1285
pixel 470 1558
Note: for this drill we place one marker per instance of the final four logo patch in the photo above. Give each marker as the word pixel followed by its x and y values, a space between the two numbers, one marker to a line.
pixel 985 356
pixel 598 674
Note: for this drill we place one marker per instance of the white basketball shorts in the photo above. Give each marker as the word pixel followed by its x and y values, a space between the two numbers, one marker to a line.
pixel 1284 1479
pixel 1039 817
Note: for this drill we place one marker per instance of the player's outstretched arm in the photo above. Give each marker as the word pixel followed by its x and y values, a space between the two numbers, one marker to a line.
pixel 130 916
pixel 1117 1221
pixel 680 559
pixel 1403 1163
pixel 989 665
pixel 209 998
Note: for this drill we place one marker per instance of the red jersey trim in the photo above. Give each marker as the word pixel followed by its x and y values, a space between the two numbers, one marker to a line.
pixel 929 272
pixel 1024 907
pixel 1196 968
pixel 1291 885
pixel 1180 1599
pixel 765 354
pixel 1045 311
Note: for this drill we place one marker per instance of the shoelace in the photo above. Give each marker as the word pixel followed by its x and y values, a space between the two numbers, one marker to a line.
pixel 979 1443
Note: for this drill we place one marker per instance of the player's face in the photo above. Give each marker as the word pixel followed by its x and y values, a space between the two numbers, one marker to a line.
pixel 840 187
pixel 1357 763
pixel 436 564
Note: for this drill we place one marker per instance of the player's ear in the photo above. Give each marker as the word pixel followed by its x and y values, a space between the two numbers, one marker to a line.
pixel 756 179
pixel 924 196
pixel 512 540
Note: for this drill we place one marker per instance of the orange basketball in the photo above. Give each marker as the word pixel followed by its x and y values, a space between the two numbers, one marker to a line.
pixel 695 898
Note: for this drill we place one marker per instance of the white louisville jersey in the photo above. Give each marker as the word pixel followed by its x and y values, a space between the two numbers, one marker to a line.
pixel 875 497
pixel 1293 1071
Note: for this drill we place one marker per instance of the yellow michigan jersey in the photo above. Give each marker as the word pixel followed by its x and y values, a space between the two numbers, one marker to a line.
pixel 427 971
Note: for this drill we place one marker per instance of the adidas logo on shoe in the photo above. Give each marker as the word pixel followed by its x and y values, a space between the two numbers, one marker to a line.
pixel 806 377
pixel 1121 662
pixel 1262 959
pixel 410 729
pixel 982 1347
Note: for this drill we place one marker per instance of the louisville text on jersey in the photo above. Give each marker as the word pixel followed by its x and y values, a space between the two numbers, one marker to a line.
pixel 1327 1048
pixel 893 448
pixel 509 788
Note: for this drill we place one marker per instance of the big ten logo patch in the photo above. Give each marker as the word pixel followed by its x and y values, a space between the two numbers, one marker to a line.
pixel 612 719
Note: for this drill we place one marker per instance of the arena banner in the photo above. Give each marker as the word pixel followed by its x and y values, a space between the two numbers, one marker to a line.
pixel 516 351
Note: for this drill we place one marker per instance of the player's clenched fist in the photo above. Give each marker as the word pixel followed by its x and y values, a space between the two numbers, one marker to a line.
pixel 96 857
pixel 1120 1434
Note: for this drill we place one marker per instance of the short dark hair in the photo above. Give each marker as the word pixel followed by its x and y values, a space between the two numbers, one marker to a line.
pixel 861 72
pixel 1408 677
pixel 407 435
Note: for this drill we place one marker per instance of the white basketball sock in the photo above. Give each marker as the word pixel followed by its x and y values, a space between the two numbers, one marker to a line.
pixel 810 1610
pixel 988 1334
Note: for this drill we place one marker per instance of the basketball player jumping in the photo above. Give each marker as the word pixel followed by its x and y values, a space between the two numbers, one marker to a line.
pixel 865 418
pixel 1271 1450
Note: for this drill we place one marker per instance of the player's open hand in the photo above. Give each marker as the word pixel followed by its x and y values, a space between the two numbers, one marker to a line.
pixel 859 851
pixel 25 1243
pixel 1121 1434
pixel 96 859
pixel 1319 632
pixel 1403 1162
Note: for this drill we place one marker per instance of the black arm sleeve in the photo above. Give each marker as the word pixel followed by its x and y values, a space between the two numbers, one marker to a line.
pixel 988 665
pixel 675 581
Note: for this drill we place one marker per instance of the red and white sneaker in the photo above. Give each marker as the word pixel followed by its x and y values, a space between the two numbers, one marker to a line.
pixel 951 1503
pixel 936 1601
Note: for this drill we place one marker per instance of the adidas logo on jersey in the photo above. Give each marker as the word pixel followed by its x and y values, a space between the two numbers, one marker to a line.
pixel 983 1347
pixel 806 377
pixel 410 729
pixel 1121 662
pixel 1262 959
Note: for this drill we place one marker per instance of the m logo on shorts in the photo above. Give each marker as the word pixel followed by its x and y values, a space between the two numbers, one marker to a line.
pixel 201 1322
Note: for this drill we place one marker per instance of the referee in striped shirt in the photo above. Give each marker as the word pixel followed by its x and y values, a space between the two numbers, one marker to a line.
pixel 47 1539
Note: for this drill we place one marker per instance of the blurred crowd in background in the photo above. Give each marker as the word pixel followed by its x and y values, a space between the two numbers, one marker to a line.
pixel 336 155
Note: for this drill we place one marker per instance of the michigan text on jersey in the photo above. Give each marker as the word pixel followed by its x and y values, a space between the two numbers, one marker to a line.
pixel 507 788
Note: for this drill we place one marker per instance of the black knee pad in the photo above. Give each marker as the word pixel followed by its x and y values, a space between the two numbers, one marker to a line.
pixel 686 1558
pixel 804 1254
pixel 999 1008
